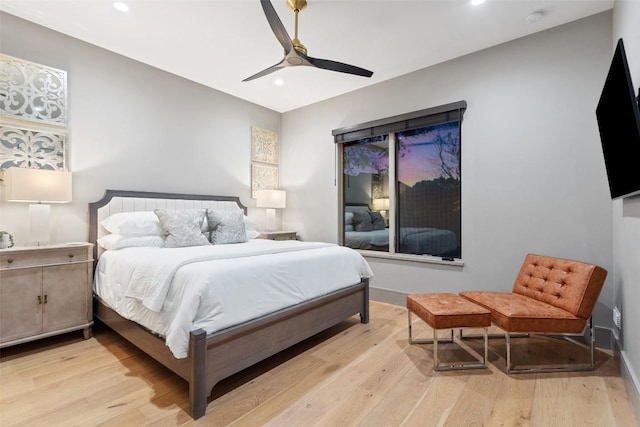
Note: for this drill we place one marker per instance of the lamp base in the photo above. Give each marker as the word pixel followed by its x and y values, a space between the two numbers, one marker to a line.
pixel 271 219
pixel 39 224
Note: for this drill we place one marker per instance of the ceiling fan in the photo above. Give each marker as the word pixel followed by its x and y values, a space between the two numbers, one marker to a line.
pixel 295 54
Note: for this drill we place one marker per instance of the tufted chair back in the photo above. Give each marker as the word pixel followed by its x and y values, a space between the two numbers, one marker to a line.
pixel 573 286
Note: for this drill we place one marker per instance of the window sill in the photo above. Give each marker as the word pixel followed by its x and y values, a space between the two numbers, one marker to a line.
pixel 412 258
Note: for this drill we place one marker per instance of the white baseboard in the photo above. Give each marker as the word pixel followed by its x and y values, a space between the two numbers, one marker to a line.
pixel 388 296
pixel 631 382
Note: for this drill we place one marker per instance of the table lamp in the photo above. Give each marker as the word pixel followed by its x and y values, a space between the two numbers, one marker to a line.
pixel 272 200
pixel 381 205
pixel 42 187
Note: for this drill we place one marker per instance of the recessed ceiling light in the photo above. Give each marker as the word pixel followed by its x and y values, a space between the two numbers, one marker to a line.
pixel 534 17
pixel 120 6
pixel 477 2
pixel 278 82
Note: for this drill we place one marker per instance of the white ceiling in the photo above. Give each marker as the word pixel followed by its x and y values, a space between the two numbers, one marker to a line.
pixel 218 43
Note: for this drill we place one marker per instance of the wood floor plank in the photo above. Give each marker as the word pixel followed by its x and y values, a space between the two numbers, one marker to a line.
pixel 512 404
pixel 437 402
pixel 350 375
pixel 323 399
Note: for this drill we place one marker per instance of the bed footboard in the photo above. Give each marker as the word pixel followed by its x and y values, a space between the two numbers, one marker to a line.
pixel 234 349
pixel 216 356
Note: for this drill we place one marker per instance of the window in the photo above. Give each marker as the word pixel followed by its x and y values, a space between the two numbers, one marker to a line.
pixel 401 183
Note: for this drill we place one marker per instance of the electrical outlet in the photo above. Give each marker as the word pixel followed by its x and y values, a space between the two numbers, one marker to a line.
pixel 617 318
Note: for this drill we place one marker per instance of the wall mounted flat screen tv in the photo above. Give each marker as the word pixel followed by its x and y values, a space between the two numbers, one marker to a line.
pixel 618 119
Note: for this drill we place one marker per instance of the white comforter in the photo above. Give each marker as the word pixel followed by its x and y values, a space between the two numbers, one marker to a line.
pixel 173 291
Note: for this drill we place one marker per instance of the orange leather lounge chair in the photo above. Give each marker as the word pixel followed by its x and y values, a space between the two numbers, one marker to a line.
pixel 550 296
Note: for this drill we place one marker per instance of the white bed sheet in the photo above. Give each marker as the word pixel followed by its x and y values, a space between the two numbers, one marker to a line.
pixel 263 276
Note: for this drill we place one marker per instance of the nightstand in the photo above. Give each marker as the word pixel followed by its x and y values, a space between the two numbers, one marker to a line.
pixel 278 235
pixel 45 291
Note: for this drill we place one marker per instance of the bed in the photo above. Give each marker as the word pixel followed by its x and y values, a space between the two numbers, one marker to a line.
pixel 209 346
pixel 412 240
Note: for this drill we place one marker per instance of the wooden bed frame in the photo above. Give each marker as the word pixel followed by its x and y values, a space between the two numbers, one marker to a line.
pixel 213 357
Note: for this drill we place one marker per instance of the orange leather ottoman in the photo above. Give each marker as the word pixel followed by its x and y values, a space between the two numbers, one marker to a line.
pixel 449 311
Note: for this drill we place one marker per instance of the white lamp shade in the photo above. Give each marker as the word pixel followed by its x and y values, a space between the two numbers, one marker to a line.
pixel 37 185
pixel 380 204
pixel 275 199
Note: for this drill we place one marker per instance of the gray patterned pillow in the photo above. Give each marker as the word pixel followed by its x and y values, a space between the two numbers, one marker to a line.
pixel 183 227
pixel 377 221
pixel 226 227
pixel 362 221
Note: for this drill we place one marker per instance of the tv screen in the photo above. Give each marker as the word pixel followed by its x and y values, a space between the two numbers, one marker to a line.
pixel 618 119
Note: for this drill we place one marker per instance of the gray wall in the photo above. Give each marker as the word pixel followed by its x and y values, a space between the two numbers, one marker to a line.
pixel 533 172
pixel 626 222
pixel 135 127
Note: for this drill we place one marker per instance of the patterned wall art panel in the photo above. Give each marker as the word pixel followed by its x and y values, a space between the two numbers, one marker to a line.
pixel 264 146
pixel 32 149
pixel 33 92
pixel 263 177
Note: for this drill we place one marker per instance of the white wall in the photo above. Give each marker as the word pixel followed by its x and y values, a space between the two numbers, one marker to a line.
pixel 626 220
pixel 133 127
pixel 532 167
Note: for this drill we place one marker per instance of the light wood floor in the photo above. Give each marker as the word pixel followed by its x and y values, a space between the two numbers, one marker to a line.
pixel 350 375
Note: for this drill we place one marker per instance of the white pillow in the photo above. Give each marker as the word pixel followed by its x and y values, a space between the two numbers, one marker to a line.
pixel 250 227
pixel 117 241
pixel 183 227
pixel 348 218
pixel 143 223
pixel 252 234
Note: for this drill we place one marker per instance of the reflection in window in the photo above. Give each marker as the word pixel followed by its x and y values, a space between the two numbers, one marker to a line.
pixel 366 186
pixel 401 188
pixel 428 166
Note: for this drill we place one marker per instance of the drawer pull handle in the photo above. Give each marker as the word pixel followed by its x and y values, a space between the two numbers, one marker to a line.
pixel 42 300
pixel 71 255
pixel 10 261
pixel 39 299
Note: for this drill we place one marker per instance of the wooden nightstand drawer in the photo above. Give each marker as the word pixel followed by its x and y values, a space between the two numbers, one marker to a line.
pixel 27 257
pixel 278 235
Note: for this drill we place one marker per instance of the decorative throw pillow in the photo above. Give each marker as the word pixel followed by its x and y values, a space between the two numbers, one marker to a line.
pixel 226 227
pixel 183 227
pixel 377 221
pixel 362 221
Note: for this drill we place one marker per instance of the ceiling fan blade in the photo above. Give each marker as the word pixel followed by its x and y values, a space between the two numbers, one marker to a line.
pixel 276 26
pixel 294 51
pixel 338 66
pixel 266 71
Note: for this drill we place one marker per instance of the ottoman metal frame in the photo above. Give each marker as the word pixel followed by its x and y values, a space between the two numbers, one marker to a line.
pixel 451 325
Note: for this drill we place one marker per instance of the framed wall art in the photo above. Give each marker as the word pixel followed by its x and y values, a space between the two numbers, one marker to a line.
pixel 34 149
pixel 264 146
pixel 32 92
pixel 263 177
pixel 33 115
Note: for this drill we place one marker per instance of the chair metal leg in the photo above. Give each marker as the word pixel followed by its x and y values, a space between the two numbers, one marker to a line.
pixel 562 368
